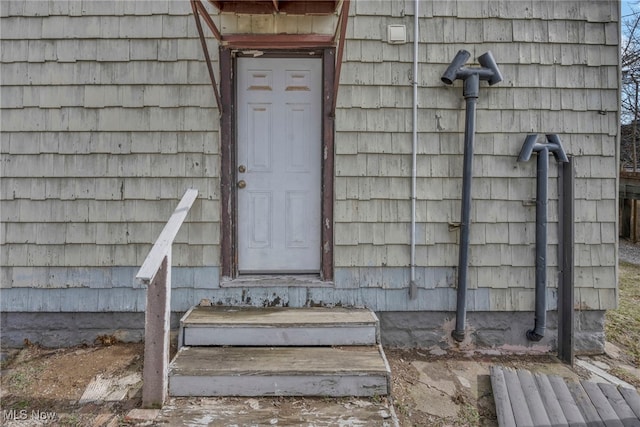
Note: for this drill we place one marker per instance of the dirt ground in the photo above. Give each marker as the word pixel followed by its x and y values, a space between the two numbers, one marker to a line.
pixel 45 386
pixel 53 382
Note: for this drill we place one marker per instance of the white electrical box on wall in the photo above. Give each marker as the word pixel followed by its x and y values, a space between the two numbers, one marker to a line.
pixel 396 34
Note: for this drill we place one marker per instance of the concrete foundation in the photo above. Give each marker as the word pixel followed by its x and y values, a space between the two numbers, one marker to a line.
pixel 488 331
pixel 69 329
pixel 426 329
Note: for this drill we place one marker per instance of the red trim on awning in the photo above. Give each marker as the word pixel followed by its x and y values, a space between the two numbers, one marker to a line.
pixel 342 26
pixel 200 11
pixel 280 41
pixel 295 7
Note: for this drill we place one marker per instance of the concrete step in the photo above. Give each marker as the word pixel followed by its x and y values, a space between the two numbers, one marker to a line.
pixel 235 326
pixel 279 371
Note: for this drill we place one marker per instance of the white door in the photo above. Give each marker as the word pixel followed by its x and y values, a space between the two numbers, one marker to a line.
pixel 279 139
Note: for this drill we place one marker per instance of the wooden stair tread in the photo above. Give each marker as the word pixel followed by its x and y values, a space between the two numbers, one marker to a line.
pixel 277 316
pixel 279 371
pixel 215 361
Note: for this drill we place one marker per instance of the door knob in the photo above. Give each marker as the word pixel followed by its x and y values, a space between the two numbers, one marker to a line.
pixel 242 183
pixel 242 168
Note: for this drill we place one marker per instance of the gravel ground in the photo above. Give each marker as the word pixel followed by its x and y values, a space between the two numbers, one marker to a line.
pixel 629 252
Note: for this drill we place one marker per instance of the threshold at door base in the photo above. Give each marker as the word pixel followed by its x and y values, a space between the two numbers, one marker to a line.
pixel 258 280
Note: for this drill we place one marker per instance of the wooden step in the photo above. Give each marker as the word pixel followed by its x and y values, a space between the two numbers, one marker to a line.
pixel 279 371
pixel 278 326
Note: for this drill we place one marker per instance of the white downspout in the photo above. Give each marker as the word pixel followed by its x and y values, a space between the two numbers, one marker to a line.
pixel 413 288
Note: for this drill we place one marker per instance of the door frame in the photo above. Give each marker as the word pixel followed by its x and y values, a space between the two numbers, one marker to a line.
pixel 228 153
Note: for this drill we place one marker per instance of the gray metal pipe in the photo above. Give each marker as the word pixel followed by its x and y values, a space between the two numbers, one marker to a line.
pixel 554 146
pixel 451 74
pixel 471 77
pixel 413 287
pixel 470 92
pixel 542 202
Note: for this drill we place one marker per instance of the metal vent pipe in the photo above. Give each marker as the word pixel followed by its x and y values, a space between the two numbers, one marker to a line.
pixel 554 147
pixel 413 287
pixel 471 76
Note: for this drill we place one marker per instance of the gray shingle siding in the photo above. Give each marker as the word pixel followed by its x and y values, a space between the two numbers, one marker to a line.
pixel 108 116
pixel 560 64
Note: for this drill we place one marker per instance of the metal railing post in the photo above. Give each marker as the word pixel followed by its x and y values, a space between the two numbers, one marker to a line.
pixel 566 291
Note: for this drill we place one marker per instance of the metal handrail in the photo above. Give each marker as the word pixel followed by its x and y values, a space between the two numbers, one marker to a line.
pixel 156 274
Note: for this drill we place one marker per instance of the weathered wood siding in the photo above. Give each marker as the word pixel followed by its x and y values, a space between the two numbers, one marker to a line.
pixel 232 23
pixel 108 115
pixel 560 63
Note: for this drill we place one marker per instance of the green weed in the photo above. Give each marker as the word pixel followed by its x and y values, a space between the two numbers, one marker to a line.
pixel 623 325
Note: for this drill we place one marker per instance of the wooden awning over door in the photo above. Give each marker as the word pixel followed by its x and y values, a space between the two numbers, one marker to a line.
pixel 294 7
pixel 275 41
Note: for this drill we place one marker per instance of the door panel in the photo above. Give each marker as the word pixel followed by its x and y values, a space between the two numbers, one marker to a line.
pixel 296 219
pixel 260 214
pixel 298 120
pixel 259 137
pixel 279 145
